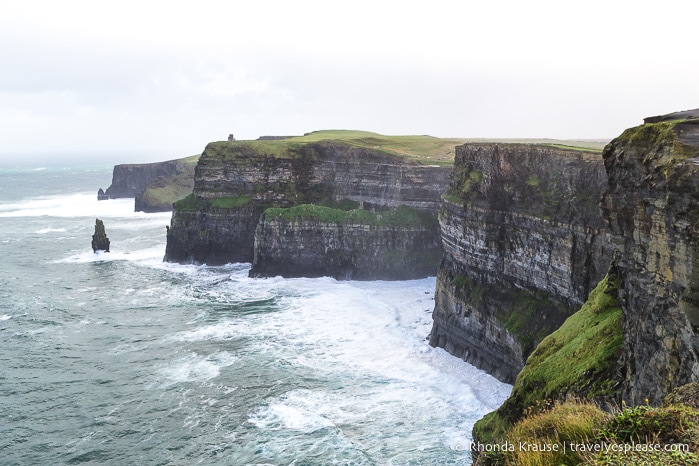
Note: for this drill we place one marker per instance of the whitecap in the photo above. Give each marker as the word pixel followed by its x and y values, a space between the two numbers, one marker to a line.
pixel 222 331
pixel 147 255
pixel 43 231
pixel 279 416
pixel 197 368
pixel 78 205
pixel 5 317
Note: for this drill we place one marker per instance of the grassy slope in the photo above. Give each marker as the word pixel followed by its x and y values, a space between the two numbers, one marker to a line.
pixel 580 358
pixel 165 191
pixel 576 422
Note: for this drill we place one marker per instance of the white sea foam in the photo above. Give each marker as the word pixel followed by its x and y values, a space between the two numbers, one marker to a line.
pixel 221 331
pixel 197 368
pixel 43 231
pixel 5 317
pixel 146 255
pixel 75 205
pixel 280 416
pixel 371 338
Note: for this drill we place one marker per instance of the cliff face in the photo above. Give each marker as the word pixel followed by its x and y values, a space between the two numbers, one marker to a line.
pixel 312 241
pixel 160 193
pixel 637 337
pixel 130 179
pixel 236 181
pixel 652 205
pixel 524 245
pixel 289 174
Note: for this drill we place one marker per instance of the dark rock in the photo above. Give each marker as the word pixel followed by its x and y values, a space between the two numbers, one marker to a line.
pixel 686 394
pixel 359 247
pixel 683 115
pixel 652 206
pixel 130 179
pixel 100 242
pixel 101 196
pixel 524 245
pixel 236 183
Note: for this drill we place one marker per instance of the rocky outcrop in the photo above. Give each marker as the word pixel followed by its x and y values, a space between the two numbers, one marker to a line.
pixel 100 242
pixel 683 115
pixel 154 186
pixel 652 205
pixel 524 245
pixel 235 182
pixel 130 179
pixel 160 193
pixel 313 241
pixel 636 339
pixel 581 359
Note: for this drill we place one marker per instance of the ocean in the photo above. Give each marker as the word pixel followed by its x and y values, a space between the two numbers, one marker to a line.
pixel 119 358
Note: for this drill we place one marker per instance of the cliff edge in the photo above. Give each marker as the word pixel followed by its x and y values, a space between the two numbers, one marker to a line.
pixel 154 186
pixel 652 205
pixel 524 244
pixel 236 182
pixel 636 339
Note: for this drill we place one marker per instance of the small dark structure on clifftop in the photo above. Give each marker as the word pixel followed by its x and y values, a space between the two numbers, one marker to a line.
pixel 100 242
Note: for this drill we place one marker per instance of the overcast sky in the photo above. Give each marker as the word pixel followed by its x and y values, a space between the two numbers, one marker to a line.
pixel 159 79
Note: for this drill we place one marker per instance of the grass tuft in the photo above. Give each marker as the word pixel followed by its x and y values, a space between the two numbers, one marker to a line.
pixel 401 216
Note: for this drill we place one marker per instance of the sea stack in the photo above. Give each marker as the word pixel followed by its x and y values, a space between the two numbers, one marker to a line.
pixel 101 196
pixel 100 242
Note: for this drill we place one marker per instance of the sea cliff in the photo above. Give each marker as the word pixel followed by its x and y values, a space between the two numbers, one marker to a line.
pixel 652 205
pixel 524 245
pixel 154 186
pixel 236 182
pixel 636 338
pixel 131 179
pixel 312 241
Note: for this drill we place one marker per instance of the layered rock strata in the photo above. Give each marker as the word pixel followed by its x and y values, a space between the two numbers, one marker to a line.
pixel 652 205
pixel 637 337
pixel 235 182
pixel 131 179
pixel 160 193
pixel 524 245
pixel 314 241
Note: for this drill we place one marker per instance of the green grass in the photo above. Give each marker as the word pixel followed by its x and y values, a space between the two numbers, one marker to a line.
pixel 572 358
pixel 229 202
pixel 579 422
pixel 593 147
pixel 401 216
pixel 424 149
pixel 163 192
pixel 654 137
pixel 579 358
pixel 192 203
pixel 516 309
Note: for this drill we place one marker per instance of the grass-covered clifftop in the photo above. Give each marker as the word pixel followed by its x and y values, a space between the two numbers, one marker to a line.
pixel 424 149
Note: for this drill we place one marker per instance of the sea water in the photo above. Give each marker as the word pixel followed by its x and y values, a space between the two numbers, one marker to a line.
pixel 120 358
